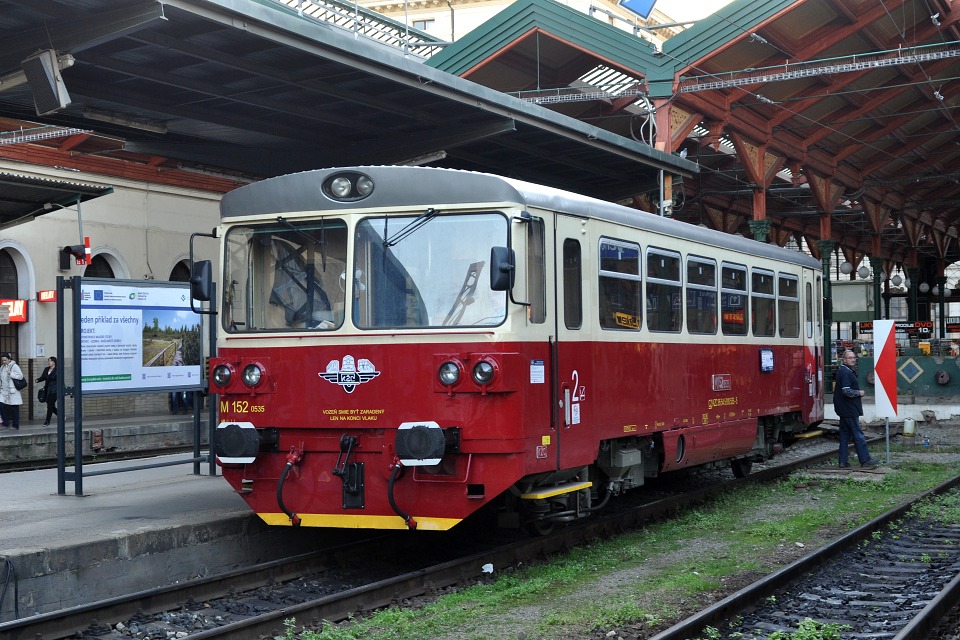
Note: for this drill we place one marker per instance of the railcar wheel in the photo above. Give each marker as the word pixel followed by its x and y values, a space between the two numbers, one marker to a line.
pixel 540 527
pixel 741 467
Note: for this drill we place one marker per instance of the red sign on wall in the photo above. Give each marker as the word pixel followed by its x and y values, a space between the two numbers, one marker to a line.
pixel 17 308
pixel 47 295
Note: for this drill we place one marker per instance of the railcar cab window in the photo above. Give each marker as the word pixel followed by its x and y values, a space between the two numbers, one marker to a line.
pixel 701 295
pixel 285 275
pixel 762 301
pixel 788 305
pixel 664 310
pixel 414 271
pixel 619 285
pixel 733 299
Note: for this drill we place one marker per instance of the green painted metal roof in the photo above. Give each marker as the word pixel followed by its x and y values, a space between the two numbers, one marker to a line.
pixel 570 25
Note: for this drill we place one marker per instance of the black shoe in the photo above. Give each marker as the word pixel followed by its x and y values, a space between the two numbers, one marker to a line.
pixel 845 465
pixel 46 424
pixel 869 464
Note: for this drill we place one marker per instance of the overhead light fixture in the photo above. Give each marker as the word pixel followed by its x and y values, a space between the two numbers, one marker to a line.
pixel 935 19
pixel 125 121
pixel 418 161
pixel 936 290
pixel 42 72
pixel 924 287
pixel 896 279
pixel 846 268
pixel 863 272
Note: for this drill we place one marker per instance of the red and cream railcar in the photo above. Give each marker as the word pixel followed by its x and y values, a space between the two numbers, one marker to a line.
pixel 401 346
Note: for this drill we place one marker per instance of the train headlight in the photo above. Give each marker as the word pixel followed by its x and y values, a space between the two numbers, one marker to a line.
pixel 449 374
pixel 347 186
pixel 222 375
pixel 483 372
pixel 341 187
pixel 252 374
pixel 364 186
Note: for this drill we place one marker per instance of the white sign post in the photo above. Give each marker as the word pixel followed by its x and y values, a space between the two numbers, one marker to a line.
pixel 885 372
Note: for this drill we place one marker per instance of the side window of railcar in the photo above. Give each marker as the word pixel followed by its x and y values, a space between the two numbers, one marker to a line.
pixel 536 274
pixel 701 295
pixel 572 285
pixel 619 285
pixel 762 303
pixel 733 299
pixel 664 309
pixel 808 297
pixel 788 305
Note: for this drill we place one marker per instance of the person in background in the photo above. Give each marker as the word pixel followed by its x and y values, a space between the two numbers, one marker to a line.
pixel 847 403
pixel 49 380
pixel 9 394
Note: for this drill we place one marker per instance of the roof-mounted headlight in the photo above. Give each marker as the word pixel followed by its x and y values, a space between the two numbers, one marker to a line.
pixel 347 186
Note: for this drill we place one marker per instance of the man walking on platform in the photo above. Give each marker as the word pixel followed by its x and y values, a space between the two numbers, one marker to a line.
pixel 847 403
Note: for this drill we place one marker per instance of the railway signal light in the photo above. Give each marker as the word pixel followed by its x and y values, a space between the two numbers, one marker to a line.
pixel 79 251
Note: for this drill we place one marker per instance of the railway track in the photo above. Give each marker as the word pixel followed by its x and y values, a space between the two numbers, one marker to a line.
pixel 335 584
pixel 894 577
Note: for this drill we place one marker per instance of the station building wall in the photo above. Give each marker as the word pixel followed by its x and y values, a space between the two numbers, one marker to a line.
pixel 141 231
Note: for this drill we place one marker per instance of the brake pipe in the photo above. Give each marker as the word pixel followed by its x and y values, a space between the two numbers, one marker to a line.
pixel 294 457
pixel 408 519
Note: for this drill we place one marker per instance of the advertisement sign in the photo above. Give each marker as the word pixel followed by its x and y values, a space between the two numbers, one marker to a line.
pixel 138 336
pixel 16 309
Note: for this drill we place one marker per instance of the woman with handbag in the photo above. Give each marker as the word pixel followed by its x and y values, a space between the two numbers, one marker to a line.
pixel 48 393
pixel 11 381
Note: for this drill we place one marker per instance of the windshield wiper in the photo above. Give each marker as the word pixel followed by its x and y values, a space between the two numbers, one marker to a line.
pixel 408 230
pixel 321 242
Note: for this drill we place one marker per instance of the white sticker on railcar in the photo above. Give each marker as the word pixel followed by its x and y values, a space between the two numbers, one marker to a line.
pixel 537 372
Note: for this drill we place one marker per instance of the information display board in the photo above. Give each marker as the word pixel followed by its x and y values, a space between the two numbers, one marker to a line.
pixel 138 336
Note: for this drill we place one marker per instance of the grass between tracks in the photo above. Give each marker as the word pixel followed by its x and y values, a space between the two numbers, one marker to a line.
pixel 643 580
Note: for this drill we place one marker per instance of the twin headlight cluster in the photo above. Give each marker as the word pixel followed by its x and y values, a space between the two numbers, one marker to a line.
pixel 348 186
pixel 251 375
pixel 451 371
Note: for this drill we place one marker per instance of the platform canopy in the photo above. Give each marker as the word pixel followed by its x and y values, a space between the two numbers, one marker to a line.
pixel 812 120
pixel 252 89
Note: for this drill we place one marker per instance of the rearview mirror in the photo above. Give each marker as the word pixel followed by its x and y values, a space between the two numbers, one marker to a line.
pixel 201 280
pixel 503 268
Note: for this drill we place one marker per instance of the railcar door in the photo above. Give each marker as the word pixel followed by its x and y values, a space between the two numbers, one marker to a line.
pixel 813 347
pixel 572 349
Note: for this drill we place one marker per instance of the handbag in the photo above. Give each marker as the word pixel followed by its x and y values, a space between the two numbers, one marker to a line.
pixel 20 383
pixel 42 394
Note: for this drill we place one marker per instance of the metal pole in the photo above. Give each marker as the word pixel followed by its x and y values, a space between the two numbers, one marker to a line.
pixel 77 391
pixel 61 385
pixel 212 400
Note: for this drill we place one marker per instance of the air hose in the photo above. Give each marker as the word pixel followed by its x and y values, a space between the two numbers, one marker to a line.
pixel 292 458
pixel 397 468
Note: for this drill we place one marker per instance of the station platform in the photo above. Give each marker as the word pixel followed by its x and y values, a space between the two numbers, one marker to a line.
pixel 128 531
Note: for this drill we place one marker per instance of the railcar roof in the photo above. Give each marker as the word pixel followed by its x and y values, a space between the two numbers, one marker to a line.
pixel 401 186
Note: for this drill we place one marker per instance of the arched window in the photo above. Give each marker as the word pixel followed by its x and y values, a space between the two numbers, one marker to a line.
pixel 98 268
pixel 9 290
pixel 181 272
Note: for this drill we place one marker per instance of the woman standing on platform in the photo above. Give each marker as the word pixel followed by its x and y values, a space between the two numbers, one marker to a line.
pixel 49 391
pixel 9 395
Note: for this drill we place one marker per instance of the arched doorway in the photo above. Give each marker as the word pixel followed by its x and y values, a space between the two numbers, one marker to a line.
pixel 9 290
pixel 98 268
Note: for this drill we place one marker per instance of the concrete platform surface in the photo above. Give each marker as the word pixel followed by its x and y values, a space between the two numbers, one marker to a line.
pixel 128 532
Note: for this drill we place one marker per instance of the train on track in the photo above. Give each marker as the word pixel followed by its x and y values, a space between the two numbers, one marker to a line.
pixel 400 347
